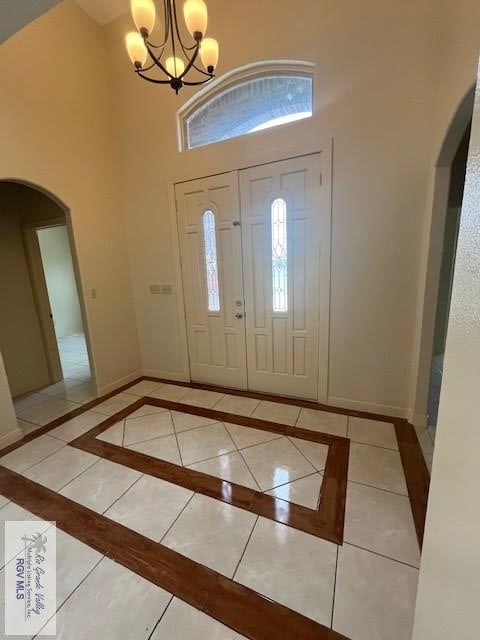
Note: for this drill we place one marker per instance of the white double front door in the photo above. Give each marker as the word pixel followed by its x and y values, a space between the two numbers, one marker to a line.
pixel 250 244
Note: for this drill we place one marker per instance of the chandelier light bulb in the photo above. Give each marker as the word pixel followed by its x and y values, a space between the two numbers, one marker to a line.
pixel 175 66
pixel 143 13
pixel 136 48
pixel 209 54
pixel 196 17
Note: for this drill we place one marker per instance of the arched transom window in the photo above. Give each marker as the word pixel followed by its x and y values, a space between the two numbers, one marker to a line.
pixel 248 101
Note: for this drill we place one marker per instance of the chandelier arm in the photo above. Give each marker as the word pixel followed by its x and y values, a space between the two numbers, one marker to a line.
pixel 154 80
pixel 175 19
pixel 191 62
pixel 194 84
pixel 166 19
pixel 156 62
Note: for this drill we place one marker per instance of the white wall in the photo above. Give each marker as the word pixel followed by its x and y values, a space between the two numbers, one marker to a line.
pixel 378 71
pixel 60 278
pixel 449 587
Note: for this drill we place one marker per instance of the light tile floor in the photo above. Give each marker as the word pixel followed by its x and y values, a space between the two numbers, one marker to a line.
pixel 40 407
pixel 365 588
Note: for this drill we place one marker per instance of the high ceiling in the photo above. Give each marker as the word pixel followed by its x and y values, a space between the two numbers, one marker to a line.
pixel 12 20
pixel 104 11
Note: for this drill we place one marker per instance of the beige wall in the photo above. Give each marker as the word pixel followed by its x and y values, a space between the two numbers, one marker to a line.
pixel 60 279
pixel 57 132
pixel 9 431
pixel 374 95
pixel 449 587
pixel 21 340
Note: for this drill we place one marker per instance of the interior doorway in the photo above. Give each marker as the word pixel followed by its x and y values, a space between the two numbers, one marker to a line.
pixel 43 337
pixel 255 257
pixel 450 237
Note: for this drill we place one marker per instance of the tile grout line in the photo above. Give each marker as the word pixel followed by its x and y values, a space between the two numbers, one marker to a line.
pixel 244 549
pixel 155 626
pixel 334 587
pixel 289 438
pixel 372 486
pixel 176 519
pixel 142 475
pixel 381 555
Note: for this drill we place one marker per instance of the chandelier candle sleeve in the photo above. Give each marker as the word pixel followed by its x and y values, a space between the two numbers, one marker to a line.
pixel 168 59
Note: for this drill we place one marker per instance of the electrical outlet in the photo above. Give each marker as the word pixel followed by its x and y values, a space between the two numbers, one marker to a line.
pixel 155 289
pixel 167 289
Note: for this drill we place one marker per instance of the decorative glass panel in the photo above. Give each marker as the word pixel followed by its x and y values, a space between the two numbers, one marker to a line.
pixel 279 255
pixel 211 266
pixel 251 105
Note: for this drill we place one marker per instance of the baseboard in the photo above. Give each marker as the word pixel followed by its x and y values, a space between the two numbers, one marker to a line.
pixel 418 420
pixel 166 375
pixel 369 407
pixel 10 438
pixel 112 386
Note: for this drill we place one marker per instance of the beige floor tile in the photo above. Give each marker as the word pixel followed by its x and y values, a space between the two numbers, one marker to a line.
pixel 247 437
pixel 146 410
pixel 292 568
pixel 100 485
pixel 27 427
pixel 13 512
pixel 115 404
pixel 165 448
pixel 3 501
pixel 381 434
pixel 197 445
pixel 238 405
pixel 231 467
pixel 183 622
pixel 382 522
pixel 84 392
pixel 76 427
pixel 45 412
pixel 305 492
pixel 202 398
pixel 315 452
pixel 61 467
pixel 276 462
pixel 323 421
pixel 212 533
pixel 277 412
pixel 150 506
pixel 29 400
pixel 374 596
pixel 29 454
pixel 143 388
pixel 114 434
pixel 75 560
pixel 187 421
pixel 376 467
pixel 147 427
pixel 171 392
pixel 107 595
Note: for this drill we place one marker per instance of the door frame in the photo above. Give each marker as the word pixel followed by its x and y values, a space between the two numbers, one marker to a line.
pixel 40 292
pixel 326 152
pixel 432 252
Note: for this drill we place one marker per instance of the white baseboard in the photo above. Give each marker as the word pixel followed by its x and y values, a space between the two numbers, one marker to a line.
pixel 369 407
pixel 10 438
pixel 166 375
pixel 112 386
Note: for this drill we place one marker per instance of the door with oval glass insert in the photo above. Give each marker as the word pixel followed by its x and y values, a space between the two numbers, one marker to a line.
pixel 284 225
pixel 256 295
pixel 211 254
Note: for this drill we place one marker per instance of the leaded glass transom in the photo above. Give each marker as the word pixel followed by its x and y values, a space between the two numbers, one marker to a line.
pixel 211 263
pixel 279 255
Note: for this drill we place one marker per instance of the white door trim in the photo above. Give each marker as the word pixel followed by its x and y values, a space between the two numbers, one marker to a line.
pixel 326 151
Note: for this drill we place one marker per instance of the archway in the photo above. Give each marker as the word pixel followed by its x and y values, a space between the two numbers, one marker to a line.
pixel 44 313
pixel 435 250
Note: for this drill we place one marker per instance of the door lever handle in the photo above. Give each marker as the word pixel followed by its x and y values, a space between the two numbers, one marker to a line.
pixel 239 315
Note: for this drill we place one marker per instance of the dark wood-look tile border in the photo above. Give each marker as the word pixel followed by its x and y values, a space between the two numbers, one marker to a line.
pixel 415 469
pixel 234 605
pixel 327 521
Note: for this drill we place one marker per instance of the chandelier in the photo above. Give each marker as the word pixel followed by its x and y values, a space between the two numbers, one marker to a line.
pixel 150 60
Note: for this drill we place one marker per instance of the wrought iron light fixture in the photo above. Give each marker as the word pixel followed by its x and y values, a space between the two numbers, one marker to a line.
pixel 175 67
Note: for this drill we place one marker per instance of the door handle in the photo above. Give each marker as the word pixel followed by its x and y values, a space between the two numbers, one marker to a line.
pixel 239 315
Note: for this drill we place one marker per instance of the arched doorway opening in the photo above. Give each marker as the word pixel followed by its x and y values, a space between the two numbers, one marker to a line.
pixel 449 179
pixel 43 330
